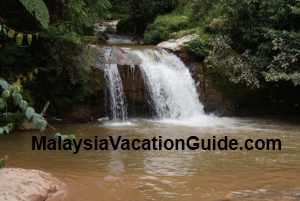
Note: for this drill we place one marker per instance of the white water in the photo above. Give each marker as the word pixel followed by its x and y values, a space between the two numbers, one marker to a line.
pixel 117 101
pixel 170 85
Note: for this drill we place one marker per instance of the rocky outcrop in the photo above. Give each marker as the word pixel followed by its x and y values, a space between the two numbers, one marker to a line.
pixel 106 31
pixel 29 185
pixel 106 26
pixel 132 79
pixel 211 95
pixel 101 55
pixel 135 91
pixel 176 45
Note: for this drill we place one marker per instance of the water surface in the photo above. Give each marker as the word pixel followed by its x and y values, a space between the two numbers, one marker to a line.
pixel 165 175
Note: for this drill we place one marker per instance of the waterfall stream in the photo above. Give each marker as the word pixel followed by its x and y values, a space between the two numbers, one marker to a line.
pixel 170 85
pixel 168 81
pixel 117 100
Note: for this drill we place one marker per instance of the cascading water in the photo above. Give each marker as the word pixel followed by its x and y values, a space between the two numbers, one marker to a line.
pixel 170 85
pixel 117 100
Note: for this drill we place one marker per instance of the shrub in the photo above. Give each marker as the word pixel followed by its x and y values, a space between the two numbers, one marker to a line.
pixel 164 26
pixel 198 48
pixel 12 93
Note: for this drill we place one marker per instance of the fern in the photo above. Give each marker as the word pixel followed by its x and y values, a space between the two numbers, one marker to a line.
pixel 38 9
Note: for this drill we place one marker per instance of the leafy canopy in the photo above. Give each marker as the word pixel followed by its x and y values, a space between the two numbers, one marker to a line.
pixel 38 9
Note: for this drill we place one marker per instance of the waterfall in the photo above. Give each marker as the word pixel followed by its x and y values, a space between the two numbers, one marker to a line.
pixel 170 85
pixel 171 89
pixel 117 102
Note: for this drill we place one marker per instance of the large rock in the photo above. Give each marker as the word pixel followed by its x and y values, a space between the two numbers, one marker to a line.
pixel 135 90
pixel 101 55
pixel 211 95
pixel 132 79
pixel 29 185
pixel 106 31
pixel 176 45
pixel 106 26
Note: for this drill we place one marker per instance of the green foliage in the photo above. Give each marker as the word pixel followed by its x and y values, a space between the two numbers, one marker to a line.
pixel 82 14
pixel 231 66
pixel 264 36
pixel 201 9
pixel 38 9
pixel 65 66
pixel 274 76
pixel 4 130
pixel 143 12
pixel 78 15
pixel 14 92
pixel 164 26
pixel 2 162
pixel 198 48
pixel 61 33
pixel 285 49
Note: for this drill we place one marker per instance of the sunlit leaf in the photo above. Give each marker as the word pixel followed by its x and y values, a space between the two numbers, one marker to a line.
pixel 38 9
pixel 5 94
pixel 29 38
pixel 4 84
pixel 11 33
pixel 19 38
pixel 29 113
pixel 2 103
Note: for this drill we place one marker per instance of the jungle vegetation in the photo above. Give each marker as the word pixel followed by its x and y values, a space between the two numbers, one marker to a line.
pixel 249 44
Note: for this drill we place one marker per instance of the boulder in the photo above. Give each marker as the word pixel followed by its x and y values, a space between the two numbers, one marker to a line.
pixel 29 185
pixel 106 26
pixel 176 45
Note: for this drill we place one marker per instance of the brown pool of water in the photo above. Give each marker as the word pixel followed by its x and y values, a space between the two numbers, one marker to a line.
pixel 165 175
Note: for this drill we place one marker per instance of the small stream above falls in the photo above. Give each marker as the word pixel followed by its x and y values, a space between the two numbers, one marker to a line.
pixel 170 90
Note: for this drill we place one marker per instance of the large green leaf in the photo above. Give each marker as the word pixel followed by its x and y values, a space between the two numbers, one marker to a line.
pixel 38 9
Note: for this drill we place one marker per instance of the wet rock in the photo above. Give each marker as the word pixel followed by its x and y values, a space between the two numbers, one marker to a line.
pixel 27 126
pixel 29 185
pixel 177 44
pixel 101 55
pixel 211 96
pixel 113 39
pixel 106 26
pixel 84 113
pixel 121 57
pixel 106 31
pixel 103 28
pixel 137 96
pixel 128 65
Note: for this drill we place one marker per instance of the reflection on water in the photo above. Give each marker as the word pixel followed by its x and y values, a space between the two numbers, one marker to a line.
pixel 166 175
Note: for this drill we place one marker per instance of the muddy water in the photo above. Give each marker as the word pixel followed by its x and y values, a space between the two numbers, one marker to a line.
pixel 166 175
